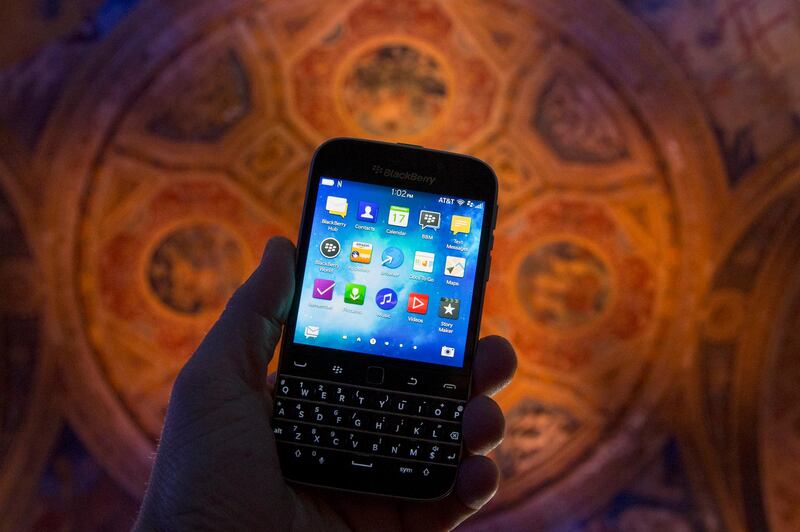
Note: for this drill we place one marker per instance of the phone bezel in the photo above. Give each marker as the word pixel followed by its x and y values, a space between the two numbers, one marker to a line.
pixel 354 160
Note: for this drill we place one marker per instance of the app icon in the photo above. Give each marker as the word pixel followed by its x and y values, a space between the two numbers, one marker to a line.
pixel 336 206
pixel 323 289
pixel 418 303
pixel 430 219
pixel 448 352
pixel 454 266
pixel 311 331
pixel 386 298
pixel 330 248
pixel 399 216
pixel 367 211
pixel 448 308
pixel 354 293
pixel 460 224
pixel 423 261
pixel 361 252
pixel 392 257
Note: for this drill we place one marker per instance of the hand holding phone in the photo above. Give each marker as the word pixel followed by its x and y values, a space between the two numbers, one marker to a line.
pixel 217 464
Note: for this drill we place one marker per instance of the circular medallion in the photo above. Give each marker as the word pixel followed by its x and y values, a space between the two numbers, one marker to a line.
pixel 563 284
pixel 394 90
pixel 196 268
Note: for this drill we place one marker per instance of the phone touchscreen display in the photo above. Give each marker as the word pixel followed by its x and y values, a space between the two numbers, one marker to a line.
pixel 390 272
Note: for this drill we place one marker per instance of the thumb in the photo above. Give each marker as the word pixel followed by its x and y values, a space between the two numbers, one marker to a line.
pixel 240 344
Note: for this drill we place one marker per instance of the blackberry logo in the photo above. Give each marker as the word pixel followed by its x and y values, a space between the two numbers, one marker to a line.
pixel 330 248
pixel 405 176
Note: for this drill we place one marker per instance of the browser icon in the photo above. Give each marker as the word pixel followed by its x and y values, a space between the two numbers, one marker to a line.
pixel 392 257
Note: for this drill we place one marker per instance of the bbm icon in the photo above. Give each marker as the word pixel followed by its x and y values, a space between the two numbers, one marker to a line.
pixel 430 219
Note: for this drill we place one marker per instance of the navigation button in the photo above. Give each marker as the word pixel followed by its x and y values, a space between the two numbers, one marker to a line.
pixel 375 375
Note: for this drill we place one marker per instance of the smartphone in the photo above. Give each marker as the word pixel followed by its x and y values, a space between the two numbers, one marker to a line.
pixel 393 257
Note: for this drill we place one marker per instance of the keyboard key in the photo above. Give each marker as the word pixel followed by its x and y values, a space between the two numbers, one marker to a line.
pixel 418 429
pixel 403 406
pixel 280 408
pixel 321 392
pixel 304 390
pixel 397 425
pixel 439 409
pixel 379 423
pixel 334 438
pixel 341 395
pixel 414 450
pixel 382 401
pixel 361 398
pixel 358 419
pixel 395 447
pixel 298 411
pixel 355 442
pixel 320 414
pixel 422 407
pixel 374 443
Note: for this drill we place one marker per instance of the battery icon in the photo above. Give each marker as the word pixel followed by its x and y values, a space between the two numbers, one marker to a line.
pixel 327 182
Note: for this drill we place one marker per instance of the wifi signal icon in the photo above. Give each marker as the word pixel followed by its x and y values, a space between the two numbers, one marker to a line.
pixel 460 201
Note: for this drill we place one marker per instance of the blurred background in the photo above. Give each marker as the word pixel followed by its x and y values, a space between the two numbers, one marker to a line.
pixel 646 263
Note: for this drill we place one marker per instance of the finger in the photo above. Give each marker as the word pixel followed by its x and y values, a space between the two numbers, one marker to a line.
pixel 477 482
pixel 483 426
pixel 242 341
pixel 269 289
pixel 494 365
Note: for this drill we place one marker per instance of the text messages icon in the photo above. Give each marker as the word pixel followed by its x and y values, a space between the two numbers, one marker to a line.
pixel 460 224
pixel 336 206
pixel 430 219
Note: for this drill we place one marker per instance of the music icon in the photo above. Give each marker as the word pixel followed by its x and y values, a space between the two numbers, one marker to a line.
pixel 386 298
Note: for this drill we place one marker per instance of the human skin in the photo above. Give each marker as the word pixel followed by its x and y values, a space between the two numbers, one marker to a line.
pixel 217 467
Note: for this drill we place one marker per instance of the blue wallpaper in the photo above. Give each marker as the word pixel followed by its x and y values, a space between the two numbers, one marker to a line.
pixel 373 285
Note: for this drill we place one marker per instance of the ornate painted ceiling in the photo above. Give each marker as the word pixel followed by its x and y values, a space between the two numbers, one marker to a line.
pixel 645 256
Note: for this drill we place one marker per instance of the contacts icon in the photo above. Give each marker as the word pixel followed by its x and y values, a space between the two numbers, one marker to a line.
pixel 367 211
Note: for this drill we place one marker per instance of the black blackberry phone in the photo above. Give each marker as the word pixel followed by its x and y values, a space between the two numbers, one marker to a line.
pixel 375 364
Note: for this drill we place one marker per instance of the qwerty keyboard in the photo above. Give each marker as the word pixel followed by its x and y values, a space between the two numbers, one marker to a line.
pixel 329 429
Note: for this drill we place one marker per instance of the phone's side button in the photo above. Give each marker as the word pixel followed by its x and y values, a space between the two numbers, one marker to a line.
pixel 488 268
